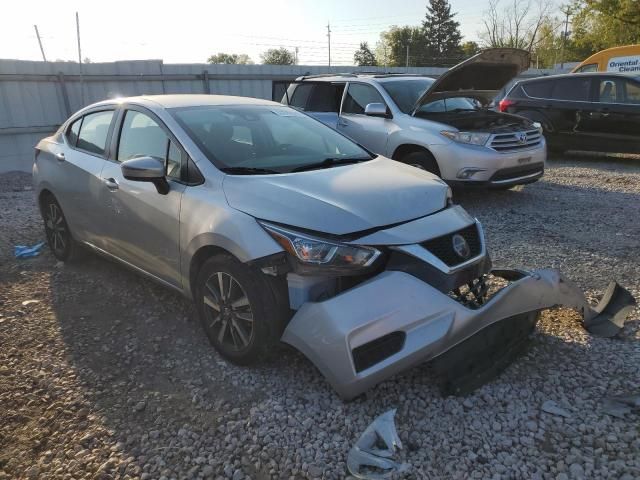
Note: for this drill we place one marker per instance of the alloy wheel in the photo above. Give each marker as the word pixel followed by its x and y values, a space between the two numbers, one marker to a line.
pixel 229 316
pixel 56 229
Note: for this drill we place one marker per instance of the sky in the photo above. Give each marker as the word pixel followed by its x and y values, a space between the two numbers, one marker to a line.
pixel 188 31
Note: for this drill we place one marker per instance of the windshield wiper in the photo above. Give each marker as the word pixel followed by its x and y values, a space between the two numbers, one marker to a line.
pixel 247 171
pixel 330 162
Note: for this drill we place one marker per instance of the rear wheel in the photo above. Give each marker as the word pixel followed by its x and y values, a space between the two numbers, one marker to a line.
pixel 59 237
pixel 422 160
pixel 240 311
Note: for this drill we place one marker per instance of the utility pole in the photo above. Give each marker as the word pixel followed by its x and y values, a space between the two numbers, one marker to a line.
pixel 80 57
pixel 567 12
pixel 40 43
pixel 407 56
pixel 385 57
pixel 296 61
pixel 329 40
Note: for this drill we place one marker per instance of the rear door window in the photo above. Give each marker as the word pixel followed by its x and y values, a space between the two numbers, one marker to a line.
pixel 618 90
pixel 538 89
pixel 318 97
pixel 574 89
pixel 359 96
pixel 94 131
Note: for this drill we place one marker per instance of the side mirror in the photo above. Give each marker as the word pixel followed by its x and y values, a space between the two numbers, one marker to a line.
pixel 377 110
pixel 146 169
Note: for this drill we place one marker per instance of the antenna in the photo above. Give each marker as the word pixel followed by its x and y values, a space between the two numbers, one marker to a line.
pixel 40 43
pixel 80 57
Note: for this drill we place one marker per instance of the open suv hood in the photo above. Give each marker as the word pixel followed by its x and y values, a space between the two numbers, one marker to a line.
pixel 340 200
pixel 481 76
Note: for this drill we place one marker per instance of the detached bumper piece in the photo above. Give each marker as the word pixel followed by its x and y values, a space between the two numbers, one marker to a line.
pixel 395 321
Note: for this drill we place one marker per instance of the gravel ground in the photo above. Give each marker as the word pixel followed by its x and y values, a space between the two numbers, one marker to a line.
pixel 105 375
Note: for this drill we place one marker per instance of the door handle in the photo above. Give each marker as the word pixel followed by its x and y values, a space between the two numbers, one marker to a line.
pixel 60 157
pixel 111 183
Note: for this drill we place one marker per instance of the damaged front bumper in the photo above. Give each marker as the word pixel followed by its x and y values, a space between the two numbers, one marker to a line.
pixel 395 320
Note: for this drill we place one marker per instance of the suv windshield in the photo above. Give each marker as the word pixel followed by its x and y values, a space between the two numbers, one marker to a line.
pixel 259 139
pixel 405 93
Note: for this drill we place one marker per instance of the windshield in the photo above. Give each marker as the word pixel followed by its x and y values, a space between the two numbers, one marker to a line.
pixel 452 104
pixel 265 139
pixel 405 93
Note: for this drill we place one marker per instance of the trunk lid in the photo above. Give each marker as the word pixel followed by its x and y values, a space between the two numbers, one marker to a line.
pixel 481 76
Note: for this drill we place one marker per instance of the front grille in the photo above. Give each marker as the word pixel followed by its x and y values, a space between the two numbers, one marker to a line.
pixel 514 141
pixel 517 172
pixel 442 247
pixel 367 355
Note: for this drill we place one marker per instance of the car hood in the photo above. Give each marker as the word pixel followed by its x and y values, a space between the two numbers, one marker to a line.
pixel 339 200
pixel 481 76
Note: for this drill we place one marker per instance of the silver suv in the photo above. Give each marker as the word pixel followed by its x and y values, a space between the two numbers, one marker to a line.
pixel 280 228
pixel 442 126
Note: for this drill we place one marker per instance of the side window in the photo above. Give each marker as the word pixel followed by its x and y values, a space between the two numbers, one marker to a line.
pixel 608 91
pixel 592 67
pixel 574 89
pixel 325 97
pixel 72 132
pixel 300 96
pixel 141 136
pixel 538 89
pixel 94 131
pixel 632 92
pixel 359 96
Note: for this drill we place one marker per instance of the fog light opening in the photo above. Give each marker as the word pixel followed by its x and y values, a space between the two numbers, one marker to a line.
pixel 467 173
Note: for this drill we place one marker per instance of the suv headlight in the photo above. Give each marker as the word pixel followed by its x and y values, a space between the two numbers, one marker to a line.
pixel 471 138
pixel 322 254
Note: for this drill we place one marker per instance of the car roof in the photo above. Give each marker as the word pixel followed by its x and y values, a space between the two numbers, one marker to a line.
pixel 345 77
pixel 187 100
pixel 578 75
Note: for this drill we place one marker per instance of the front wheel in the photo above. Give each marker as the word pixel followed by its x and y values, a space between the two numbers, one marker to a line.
pixel 422 160
pixel 239 310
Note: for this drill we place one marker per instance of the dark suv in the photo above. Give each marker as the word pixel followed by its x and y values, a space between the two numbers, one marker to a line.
pixel 586 111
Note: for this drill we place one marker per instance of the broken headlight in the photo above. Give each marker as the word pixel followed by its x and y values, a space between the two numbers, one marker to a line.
pixel 471 138
pixel 325 254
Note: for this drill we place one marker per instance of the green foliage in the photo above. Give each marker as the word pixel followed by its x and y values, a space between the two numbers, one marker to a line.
pixel 600 24
pixel 392 48
pixel 278 56
pixel 230 58
pixel 364 56
pixel 469 49
pixel 441 31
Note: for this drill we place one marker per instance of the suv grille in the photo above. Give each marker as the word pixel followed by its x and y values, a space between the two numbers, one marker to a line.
pixel 509 142
pixel 442 247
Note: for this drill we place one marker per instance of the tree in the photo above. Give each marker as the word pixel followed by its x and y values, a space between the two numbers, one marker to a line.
pixel 391 50
pixel 514 23
pixel 230 58
pixel 469 49
pixel 600 24
pixel 364 57
pixel 278 56
pixel 441 31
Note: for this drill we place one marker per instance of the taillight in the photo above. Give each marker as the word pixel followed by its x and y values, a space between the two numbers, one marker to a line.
pixel 505 104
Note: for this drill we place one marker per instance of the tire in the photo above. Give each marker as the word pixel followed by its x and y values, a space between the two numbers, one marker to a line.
pixel 59 237
pixel 241 310
pixel 423 160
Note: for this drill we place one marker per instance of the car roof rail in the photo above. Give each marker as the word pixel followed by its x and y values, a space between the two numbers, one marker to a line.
pixel 322 75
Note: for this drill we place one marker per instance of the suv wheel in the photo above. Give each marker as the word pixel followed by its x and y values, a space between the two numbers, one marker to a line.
pixel 59 237
pixel 423 161
pixel 238 309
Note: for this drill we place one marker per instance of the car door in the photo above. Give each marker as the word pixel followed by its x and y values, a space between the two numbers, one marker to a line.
pixel 371 132
pixel 142 226
pixel 80 166
pixel 571 106
pixel 616 117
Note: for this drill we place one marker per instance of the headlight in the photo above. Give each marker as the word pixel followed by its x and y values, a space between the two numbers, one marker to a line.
pixel 471 138
pixel 538 125
pixel 313 251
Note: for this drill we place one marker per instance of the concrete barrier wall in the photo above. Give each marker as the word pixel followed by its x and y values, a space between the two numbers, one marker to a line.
pixel 36 97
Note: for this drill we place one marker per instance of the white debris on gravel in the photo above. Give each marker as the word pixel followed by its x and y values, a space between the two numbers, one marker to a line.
pixel 109 376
